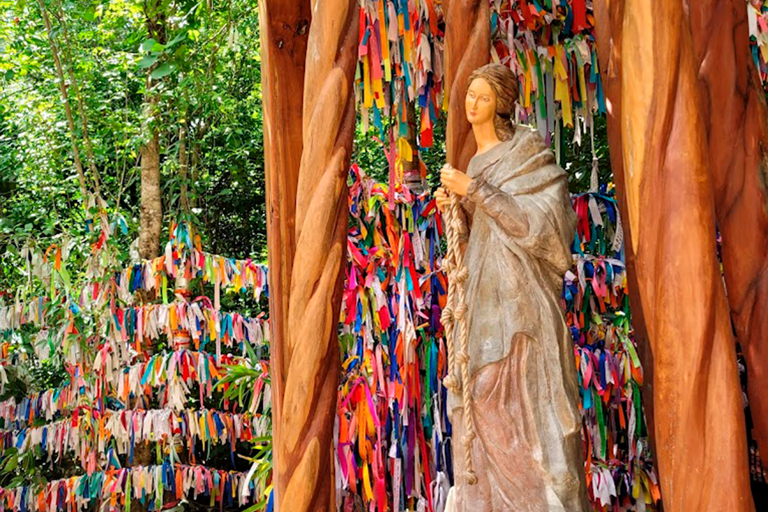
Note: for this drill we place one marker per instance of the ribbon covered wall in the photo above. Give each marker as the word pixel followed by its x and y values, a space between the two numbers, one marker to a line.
pixel 143 377
pixel 400 62
pixel 393 437
pixel 757 19
pixel 142 325
pixel 95 437
pixel 118 489
pixel 184 257
pixel 619 468
pixel 393 450
pixel 550 45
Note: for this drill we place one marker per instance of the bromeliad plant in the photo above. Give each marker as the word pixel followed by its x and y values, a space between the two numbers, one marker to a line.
pixel 249 384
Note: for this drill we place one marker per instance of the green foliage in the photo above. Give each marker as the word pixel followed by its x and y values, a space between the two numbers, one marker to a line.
pixel 206 68
pixel 239 385
pixel 577 159
pixel 262 459
pixel 208 73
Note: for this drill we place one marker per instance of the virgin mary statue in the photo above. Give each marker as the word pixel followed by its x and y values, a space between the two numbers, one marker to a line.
pixel 518 229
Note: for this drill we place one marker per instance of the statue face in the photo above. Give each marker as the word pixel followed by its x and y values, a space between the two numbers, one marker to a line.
pixel 480 102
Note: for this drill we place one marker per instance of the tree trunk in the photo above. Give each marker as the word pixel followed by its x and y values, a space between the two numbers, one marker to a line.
pixel 412 169
pixel 467 47
pixel 183 168
pixel 699 422
pixel 194 171
pixel 284 36
pixel 151 207
pixel 735 120
pixel 151 220
pixel 304 451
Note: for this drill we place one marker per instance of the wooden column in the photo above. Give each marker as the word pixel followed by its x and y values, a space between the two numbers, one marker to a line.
pixel 699 423
pixel 467 47
pixel 608 15
pixel 308 358
pixel 284 36
pixel 735 118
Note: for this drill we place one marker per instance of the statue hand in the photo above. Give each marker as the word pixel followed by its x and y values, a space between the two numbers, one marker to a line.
pixel 443 201
pixel 454 180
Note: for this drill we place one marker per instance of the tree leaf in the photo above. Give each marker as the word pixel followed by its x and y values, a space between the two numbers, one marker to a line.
pixel 90 13
pixel 147 61
pixel 179 37
pixel 11 463
pixel 251 352
pixel 148 44
pixel 163 70
pixel 65 277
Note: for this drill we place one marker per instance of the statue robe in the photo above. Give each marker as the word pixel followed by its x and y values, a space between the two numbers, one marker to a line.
pixel 528 451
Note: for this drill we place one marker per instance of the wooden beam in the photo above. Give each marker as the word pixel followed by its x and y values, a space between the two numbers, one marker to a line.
pixel 736 121
pixel 699 422
pixel 467 47
pixel 304 469
pixel 284 27
pixel 608 16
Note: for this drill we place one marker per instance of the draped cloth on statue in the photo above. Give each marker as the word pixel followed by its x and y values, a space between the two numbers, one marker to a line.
pixel 528 450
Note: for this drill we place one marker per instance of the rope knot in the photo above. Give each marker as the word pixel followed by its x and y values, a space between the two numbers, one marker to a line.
pixel 461 311
pixel 451 383
pixel 462 358
pixel 446 317
pixel 462 275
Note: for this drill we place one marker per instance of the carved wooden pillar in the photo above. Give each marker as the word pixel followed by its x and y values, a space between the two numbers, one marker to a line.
pixel 699 423
pixel 467 47
pixel 284 35
pixel 735 119
pixel 608 15
pixel 308 360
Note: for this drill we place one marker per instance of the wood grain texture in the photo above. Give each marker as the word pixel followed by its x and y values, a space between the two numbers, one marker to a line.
pixel 608 16
pixel 734 113
pixel 284 37
pixel 310 354
pixel 699 422
pixel 467 47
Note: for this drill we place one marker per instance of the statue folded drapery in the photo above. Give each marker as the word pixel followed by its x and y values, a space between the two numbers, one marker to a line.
pixel 528 452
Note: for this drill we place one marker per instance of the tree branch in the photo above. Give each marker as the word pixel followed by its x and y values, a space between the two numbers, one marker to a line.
pixel 80 104
pixel 65 99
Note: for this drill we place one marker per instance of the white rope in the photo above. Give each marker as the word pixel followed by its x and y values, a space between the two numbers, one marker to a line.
pixel 454 321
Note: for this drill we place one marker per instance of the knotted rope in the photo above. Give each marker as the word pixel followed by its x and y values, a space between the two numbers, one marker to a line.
pixel 455 313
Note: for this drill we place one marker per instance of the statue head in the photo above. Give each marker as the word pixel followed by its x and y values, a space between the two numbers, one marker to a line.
pixel 491 95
